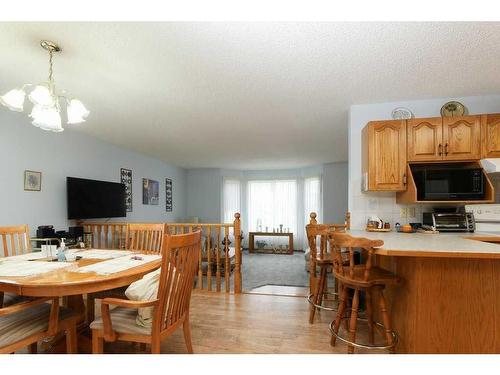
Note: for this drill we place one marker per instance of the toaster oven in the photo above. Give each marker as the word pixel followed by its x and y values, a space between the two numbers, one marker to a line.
pixel 450 221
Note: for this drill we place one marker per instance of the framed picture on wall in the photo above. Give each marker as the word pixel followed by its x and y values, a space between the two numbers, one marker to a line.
pixel 168 195
pixel 150 192
pixel 32 181
pixel 126 179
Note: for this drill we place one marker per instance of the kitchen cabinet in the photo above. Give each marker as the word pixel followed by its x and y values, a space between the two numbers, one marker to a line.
pixel 425 139
pixel 447 138
pixel 490 131
pixel 462 138
pixel 384 156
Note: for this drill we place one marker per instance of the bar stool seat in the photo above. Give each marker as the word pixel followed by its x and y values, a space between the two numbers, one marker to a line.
pixel 361 278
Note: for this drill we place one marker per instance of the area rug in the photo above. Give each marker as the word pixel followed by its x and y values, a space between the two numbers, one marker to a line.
pixel 273 269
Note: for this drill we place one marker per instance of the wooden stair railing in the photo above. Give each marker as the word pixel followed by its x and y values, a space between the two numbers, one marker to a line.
pixel 217 264
pixel 215 258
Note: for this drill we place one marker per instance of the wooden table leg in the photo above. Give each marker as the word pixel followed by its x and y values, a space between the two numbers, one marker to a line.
pixel 58 342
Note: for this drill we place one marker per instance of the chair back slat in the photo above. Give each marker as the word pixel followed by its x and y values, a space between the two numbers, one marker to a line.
pixel 147 238
pixel 178 270
pixel 345 243
pixel 15 240
pixel 322 232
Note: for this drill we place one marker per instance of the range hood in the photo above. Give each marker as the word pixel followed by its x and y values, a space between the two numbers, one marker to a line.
pixel 491 165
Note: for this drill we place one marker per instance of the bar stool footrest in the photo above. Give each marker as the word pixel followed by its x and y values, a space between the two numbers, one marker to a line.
pixel 365 346
pixel 320 307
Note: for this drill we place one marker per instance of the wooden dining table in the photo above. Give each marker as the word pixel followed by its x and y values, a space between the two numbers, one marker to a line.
pixel 73 285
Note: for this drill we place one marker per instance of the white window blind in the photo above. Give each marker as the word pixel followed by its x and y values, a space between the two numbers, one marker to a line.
pixel 232 199
pixel 312 198
pixel 271 203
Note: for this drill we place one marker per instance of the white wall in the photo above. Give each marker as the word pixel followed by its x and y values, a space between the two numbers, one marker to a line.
pixel 362 205
pixel 58 155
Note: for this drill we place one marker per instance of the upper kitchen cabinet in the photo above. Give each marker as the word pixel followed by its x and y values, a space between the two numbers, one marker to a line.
pixel 425 139
pixel 491 135
pixel 384 156
pixel 462 138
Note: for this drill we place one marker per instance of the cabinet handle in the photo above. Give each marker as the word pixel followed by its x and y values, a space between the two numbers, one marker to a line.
pixel 404 179
pixel 440 149
pixel 446 149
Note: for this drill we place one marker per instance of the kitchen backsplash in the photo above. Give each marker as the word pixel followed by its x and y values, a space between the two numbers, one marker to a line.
pixel 383 205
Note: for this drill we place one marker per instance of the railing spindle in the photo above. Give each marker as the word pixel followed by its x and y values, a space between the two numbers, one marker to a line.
pixel 208 252
pixel 227 268
pixel 217 256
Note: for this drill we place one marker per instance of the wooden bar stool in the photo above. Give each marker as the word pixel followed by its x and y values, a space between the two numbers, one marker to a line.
pixel 361 278
pixel 321 257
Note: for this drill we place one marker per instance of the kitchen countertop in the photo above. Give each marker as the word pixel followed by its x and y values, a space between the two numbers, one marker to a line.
pixel 444 245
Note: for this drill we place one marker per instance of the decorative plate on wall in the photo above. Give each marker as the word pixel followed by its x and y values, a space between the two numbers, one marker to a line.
pixel 452 109
pixel 401 114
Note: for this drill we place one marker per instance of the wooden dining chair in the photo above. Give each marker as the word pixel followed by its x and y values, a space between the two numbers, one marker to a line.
pixel 26 323
pixel 170 308
pixel 144 238
pixel 366 278
pixel 321 256
pixel 15 240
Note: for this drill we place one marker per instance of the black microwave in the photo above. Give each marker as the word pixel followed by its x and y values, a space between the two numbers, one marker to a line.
pixel 435 183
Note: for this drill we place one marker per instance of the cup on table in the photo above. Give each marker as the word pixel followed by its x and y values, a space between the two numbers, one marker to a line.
pixel 70 257
pixel 52 250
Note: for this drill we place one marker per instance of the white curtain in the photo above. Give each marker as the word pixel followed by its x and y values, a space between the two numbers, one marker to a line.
pixel 231 199
pixel 312 198
pixel 271 203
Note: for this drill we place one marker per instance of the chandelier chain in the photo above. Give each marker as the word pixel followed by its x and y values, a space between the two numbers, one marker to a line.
pixel 50 68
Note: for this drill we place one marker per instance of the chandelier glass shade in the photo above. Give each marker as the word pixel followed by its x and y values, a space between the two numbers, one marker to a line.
pixel 46 112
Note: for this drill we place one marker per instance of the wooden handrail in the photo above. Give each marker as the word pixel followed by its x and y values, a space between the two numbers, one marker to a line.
pixel 217 260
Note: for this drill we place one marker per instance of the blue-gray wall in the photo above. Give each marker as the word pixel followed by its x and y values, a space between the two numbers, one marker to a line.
pixel 204 183
pixel 58 155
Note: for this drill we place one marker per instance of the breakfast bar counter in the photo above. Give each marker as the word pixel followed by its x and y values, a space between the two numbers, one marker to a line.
pixel 448 300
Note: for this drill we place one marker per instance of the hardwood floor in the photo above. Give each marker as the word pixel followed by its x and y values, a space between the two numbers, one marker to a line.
pixel 248 323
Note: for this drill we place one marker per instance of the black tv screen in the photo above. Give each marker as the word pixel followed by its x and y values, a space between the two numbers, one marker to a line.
pixel 91 199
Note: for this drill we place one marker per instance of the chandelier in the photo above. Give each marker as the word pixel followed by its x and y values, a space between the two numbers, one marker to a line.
pixel 46 112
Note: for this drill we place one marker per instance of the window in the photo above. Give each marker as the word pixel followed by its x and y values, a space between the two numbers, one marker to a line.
pixel 231 199
pixel 312 198
pixel 271 203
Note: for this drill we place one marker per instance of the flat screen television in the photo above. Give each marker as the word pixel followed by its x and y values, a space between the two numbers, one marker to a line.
pixel 91 199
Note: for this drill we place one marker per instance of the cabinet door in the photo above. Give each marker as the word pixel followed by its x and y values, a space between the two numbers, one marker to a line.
pixel 462 138
pixel 387 155
pixel 425 139
pixel 491 135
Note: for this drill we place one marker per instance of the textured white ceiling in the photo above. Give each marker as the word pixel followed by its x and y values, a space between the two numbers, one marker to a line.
pixel 247 95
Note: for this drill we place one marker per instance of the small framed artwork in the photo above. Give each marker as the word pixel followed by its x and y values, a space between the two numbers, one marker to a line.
pixel 32 181
pixel 150 191
pixel 168 194
pixel 126 179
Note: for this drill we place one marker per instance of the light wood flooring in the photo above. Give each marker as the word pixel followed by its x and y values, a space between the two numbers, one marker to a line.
pixel 248 323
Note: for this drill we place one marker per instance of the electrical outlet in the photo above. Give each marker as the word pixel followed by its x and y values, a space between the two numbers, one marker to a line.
pixel 403 212
pixel 411 211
